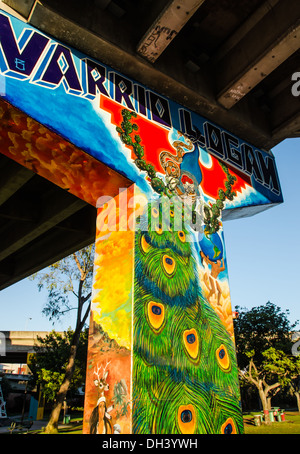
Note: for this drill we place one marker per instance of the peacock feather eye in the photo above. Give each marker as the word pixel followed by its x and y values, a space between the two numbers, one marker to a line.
pixel 156 315
pixel 223 358
pixel 191 342
pixel 228 427
pixel 144 244
pixel 155 212
pixel 158 229
pixel 181 236
pixel 186 419
pixel 169 264
pixel 172 213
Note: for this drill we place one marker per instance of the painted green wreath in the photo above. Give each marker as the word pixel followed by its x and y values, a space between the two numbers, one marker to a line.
pixel 211 213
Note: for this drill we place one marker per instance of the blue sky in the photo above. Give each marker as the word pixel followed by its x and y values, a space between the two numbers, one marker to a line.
pixel 263 251
pixel 263 257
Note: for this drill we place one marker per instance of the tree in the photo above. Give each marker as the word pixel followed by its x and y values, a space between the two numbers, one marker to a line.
pixel 49 362
pixel 276 371
pixel 70 276
pixel 263 341
pixel 260 328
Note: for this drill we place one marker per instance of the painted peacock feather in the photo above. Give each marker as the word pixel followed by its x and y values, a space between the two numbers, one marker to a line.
pixel 185 378
pixel 184 369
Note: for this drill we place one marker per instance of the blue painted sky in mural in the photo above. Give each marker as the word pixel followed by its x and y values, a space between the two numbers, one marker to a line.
pixel 262 256
pixel 87 124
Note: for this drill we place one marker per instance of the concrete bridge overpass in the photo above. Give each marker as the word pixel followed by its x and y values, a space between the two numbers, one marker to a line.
pixel 15 345
pixel 211 86
pixel 231 61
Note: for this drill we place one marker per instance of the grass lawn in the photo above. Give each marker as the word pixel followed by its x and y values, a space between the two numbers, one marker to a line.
pixel 73 428
pixel 291 425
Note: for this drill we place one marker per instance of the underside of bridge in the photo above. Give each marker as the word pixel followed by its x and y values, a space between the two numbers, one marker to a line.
pixel 230 61
pixel 40 221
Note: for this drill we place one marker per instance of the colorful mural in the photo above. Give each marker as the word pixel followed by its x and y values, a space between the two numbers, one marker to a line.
pixel 184 368
pixel 161 356
pixel 80 94
pixel 41 150
pixel 108 384
pixel 184 376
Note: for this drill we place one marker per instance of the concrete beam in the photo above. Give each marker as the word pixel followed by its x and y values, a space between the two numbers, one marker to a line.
pixel 166 26
pixel 26 211
pixel 17 8
pixel 40 253
pixel 273 39
pixel 13 177
pixel 291 129
pixel 22 7
pixel 285 117
pixel 54 209
pixel 163 77
pixel 243 29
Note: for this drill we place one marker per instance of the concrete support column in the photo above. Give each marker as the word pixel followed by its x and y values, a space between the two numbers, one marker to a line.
pixel 161 355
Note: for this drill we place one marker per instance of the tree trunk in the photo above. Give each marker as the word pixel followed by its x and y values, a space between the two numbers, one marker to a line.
pixel 264 402
pixel 52 426
pixel 297 394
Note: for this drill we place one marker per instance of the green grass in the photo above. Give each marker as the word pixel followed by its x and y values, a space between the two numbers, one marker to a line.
pixel 75 429
pixel 72 428
pixel 291 425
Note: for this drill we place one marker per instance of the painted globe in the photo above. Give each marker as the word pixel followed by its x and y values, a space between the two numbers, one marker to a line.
pixel 212 246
